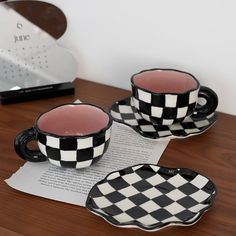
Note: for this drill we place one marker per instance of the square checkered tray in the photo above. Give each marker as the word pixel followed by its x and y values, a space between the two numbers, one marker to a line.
pixel 151 197
pixel 124 112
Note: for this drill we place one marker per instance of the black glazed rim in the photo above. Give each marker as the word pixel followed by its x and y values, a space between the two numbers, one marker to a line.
pixel 100 132
pixel 165 69
pixel 154 227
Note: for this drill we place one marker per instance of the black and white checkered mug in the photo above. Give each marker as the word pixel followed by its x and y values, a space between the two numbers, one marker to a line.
pixel 166 108
pixel 72 151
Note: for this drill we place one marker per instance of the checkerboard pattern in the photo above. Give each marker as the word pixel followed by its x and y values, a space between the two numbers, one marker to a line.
pixel 152 197
pixel 74 152
pixel 164 109
pixel 124 112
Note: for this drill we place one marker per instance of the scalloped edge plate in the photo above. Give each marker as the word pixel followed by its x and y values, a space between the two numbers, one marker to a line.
pixel 125 113
pixel 177 176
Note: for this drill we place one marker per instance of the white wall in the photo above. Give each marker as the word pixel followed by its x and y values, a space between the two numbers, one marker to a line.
pixel 112 39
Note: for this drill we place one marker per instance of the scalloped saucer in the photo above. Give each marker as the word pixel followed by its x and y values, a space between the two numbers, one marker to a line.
pixel 124 112
pixel 151 197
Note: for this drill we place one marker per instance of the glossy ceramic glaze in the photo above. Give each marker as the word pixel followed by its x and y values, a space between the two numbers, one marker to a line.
pixel 69 135
pixel 73 120
pixel 165 81
pixel 125 113
pixel 151 197
pixel 167 96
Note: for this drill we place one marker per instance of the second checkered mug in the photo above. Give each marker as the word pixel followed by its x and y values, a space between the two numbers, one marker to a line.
pixel 166 96
pixel 69 135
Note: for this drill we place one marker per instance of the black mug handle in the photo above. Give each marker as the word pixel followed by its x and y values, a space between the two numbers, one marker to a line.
pixel 210 105
pixel 20 144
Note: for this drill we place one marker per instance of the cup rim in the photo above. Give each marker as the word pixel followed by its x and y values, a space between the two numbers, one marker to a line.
pixel 165 69
pixel 36 127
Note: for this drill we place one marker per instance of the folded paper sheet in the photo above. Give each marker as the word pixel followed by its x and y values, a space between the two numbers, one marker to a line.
pixel 127 148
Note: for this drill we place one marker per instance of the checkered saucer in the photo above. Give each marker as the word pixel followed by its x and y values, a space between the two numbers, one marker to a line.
pixel 124 112
pixel 151 197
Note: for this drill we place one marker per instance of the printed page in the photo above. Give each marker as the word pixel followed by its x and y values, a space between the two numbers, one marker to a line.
pixel 126 148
